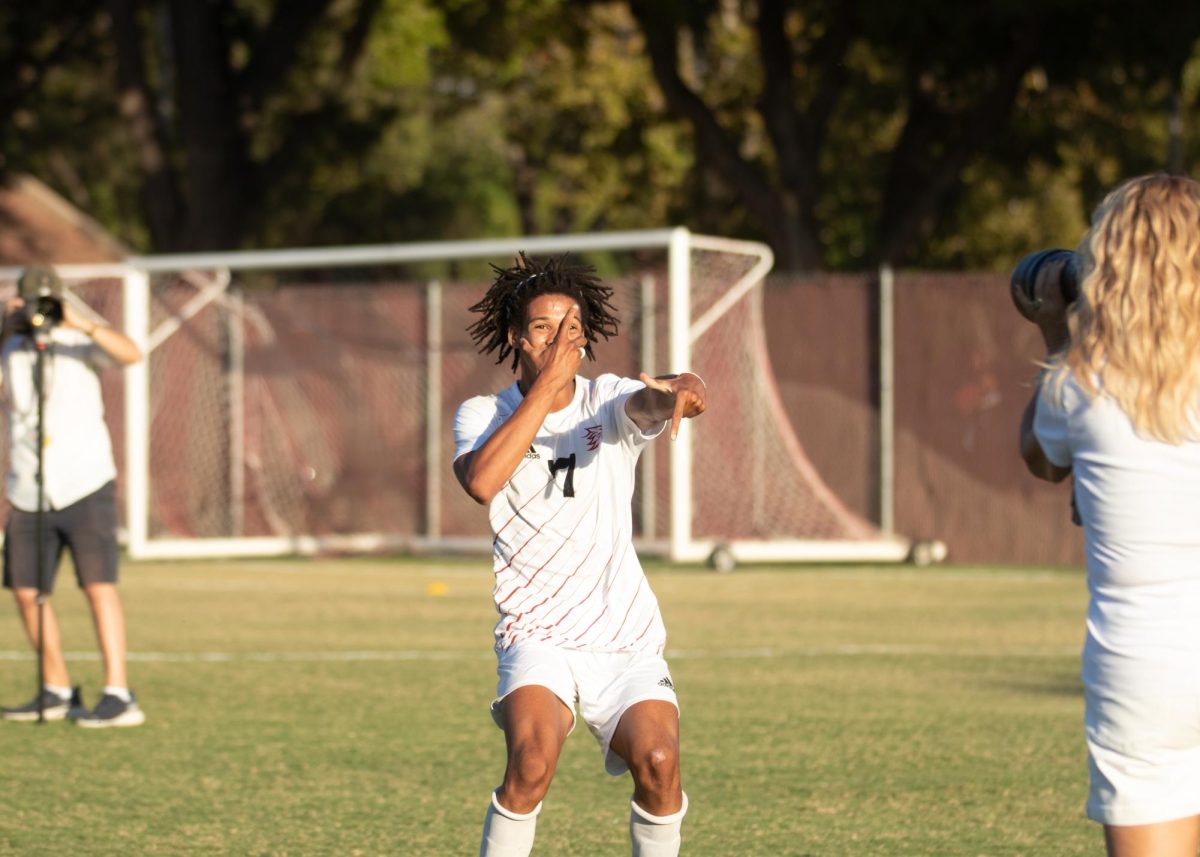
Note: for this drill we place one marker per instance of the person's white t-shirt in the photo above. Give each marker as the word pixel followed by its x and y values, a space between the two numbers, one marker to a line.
pixel 78 458
pixel 1140 504
pixel 565 569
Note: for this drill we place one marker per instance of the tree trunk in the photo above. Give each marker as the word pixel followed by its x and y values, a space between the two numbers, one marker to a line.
pixel 159 191
pixel 784 216
pixel 218 174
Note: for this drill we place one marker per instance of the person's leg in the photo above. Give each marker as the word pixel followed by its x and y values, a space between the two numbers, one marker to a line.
pixel 1177 838
pixel 21 575
pixel 89 530
pixel 109 620
pixel 54 665
pixel 536 724
pixel 647 739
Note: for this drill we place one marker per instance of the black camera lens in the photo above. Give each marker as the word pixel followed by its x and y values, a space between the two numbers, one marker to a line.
pixel 50 307
pixel 1024 277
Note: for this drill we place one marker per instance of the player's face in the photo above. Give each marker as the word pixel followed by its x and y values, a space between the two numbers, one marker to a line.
pixel 543 318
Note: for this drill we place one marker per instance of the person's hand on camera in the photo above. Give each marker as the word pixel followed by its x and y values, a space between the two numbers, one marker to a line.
pixel 13 305
pixel 15 317
pixel 1047 307
pixel 72 318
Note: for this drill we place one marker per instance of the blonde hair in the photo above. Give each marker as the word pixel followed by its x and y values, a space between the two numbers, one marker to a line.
pixel 1135 328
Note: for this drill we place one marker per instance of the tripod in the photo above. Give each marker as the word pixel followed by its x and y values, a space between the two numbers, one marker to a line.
pixel 40 339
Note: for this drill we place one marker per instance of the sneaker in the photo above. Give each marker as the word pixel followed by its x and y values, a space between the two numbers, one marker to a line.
pixel 112 711
pixel 54 707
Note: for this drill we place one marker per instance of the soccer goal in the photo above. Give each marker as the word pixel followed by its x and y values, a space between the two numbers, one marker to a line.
pixel 300 401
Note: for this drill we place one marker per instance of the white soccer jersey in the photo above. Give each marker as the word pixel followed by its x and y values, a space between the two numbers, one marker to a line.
pixel 566 572
pixel 1140 504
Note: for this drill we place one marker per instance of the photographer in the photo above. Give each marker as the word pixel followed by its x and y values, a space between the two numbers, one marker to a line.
pixel 1117 407
pixel 79 509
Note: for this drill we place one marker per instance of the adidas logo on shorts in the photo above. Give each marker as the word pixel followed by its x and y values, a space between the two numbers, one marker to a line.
pixel 533 453
pixel 665 681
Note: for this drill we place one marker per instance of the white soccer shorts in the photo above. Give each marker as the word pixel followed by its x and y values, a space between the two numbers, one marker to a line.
pixel 1143 756
pixel 603 684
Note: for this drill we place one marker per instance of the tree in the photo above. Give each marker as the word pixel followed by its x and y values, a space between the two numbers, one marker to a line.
pixel 198 99
pixel 568 92
pixel 845 129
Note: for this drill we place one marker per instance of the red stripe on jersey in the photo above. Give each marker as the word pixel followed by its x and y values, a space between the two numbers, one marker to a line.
pixel 500 571
pixel 594 621
pixel 599 578
pixel 632 602
pixel 517 513
pixel 585 598
pixel 572 574
pixel 514 619
pixel 644 630
pixel 561 545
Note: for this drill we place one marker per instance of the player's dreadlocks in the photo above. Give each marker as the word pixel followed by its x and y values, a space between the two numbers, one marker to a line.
pixel 503 307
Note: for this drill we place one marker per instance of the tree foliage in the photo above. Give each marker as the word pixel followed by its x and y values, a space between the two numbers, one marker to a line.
pixel 849 131
pixel 844 132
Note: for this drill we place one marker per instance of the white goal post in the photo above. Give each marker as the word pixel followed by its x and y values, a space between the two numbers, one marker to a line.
pixel 244 430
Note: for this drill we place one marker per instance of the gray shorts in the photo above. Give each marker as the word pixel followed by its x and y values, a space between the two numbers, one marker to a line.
pixel 87 528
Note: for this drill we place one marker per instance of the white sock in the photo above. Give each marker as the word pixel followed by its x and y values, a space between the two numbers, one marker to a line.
pixel 121 693
pixel 58 690
pixel 507 833
pixel 655 835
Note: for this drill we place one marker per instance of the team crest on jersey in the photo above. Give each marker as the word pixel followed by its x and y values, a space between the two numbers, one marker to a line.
pixel 592 435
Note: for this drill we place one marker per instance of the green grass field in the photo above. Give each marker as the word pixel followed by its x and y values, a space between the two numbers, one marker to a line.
pixel 312 707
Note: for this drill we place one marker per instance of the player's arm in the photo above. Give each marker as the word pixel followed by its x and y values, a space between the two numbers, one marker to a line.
pixel 111 341
pixel 484 472
pixel 667 397
pixel 1031 451
pixel 1048 310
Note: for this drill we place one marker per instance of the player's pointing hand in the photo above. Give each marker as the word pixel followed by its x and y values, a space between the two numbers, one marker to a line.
pixel 687 395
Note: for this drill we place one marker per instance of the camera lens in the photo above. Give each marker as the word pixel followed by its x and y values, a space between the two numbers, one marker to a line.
pixel 51 309
pixel 1069 278
pixel 1025 275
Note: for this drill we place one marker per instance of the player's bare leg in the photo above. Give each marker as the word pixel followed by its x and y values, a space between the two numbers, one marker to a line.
pixel 536 724
pixel 109 620
pixel 647 738
pixel 1177 838
pixel 54 665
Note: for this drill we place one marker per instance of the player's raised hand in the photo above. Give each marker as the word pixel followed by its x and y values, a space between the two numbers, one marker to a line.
pixel 560 357
pixel 688 394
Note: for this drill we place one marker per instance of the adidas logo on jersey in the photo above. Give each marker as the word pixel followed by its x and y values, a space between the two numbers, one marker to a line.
pixel 665 681
pixel 533 453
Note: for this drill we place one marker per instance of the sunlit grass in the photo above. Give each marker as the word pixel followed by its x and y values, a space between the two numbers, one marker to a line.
pixel 340 707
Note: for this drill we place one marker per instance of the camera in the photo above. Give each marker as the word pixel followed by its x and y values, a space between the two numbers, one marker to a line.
pixel 1025 275
pixel 41 288
pixel 47 311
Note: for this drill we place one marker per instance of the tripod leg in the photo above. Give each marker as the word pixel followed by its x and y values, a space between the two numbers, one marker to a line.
pixel 52 666
pixel 41 654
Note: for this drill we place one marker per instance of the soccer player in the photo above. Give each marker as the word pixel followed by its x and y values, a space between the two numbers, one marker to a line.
pixel 553 458
pixel 79 508
pixel 1119 407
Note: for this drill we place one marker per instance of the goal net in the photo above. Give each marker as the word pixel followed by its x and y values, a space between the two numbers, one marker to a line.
pixel 302 401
